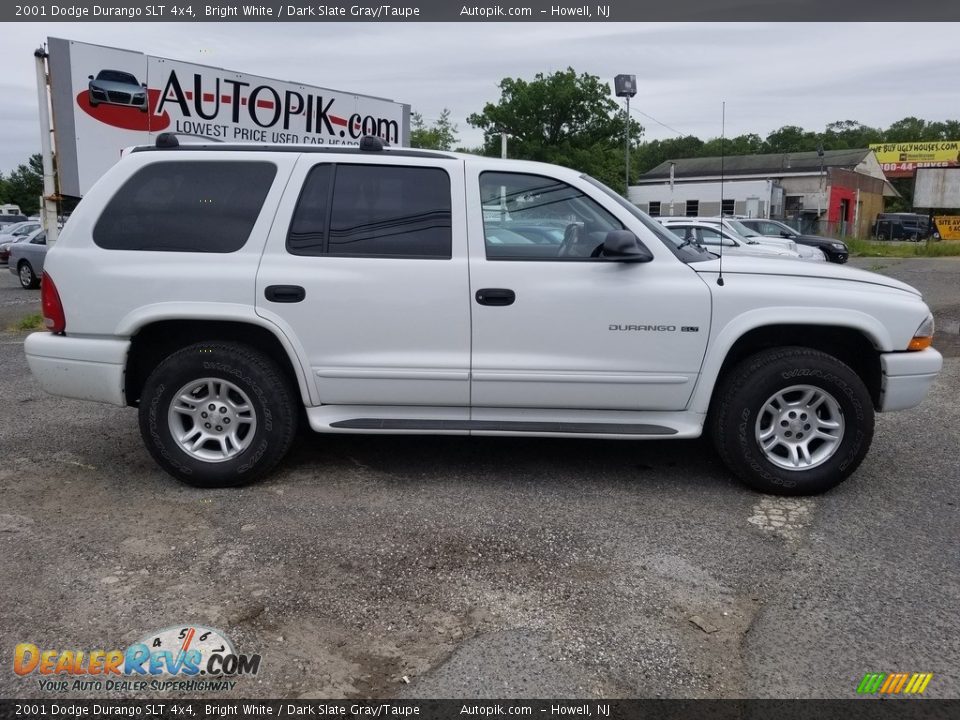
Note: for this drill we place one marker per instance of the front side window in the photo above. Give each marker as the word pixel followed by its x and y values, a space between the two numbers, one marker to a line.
pixel 532 217
pixel 207 206
pixel 373 211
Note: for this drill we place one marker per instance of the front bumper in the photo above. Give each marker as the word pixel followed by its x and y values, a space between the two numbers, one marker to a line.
pixel 907 377
pixel 82 368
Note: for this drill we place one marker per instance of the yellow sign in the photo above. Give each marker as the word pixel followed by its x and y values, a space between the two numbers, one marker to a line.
pixel 948 226
pixel 903 159
pixel 937 151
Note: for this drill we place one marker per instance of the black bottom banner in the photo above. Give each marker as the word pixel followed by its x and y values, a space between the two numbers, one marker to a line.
pixel 893 709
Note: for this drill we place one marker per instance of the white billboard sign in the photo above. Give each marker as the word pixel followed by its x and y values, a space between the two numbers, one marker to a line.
pixel 937 188
pixel 105 99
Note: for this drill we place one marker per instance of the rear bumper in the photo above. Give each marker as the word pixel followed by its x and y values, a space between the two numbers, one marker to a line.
pixel 907 377
pixel 82 368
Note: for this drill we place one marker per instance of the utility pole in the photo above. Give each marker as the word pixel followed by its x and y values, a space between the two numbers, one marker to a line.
pixel 48 209
pixel 626 87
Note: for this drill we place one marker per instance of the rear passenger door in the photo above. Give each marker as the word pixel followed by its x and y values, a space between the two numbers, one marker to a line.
pixel 366 269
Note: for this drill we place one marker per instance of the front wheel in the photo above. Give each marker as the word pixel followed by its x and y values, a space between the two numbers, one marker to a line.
pixel 792 421
pixel 217 414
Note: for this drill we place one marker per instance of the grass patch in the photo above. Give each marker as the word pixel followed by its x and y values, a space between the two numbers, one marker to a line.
pixel 29 323
pixel 871 248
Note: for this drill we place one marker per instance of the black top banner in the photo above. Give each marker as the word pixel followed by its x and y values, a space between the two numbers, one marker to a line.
pixel 453 11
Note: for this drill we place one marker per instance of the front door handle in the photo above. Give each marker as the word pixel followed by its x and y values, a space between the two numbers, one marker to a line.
pixel 496 296
pixel 284 293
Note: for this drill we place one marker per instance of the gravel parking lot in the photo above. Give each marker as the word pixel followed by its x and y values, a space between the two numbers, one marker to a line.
pixel 457 567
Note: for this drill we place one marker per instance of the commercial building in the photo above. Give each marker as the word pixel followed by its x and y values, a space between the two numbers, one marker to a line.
pixel 836 191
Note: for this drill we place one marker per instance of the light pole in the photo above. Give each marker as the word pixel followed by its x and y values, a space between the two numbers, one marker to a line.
pixel 626 87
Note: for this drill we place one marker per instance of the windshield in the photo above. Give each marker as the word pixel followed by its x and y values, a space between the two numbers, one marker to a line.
pixel 116 76
pixel 741 229
pixel 686 252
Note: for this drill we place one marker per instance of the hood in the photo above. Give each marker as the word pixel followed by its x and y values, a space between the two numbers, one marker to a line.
pixel 745 265
pixel 756 250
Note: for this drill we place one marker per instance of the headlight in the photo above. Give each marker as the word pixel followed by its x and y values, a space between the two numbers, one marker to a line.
pixel 923 337
pixel 838 246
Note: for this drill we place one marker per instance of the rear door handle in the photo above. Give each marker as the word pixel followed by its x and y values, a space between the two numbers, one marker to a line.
pixel 496 296
pixel 284 293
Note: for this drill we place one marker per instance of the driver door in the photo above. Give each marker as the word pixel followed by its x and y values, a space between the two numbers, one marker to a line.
pixel 555 326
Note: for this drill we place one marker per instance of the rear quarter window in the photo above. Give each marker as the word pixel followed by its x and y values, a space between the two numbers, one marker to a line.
pixel 186 206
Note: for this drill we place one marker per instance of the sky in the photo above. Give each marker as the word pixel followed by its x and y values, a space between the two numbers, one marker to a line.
pixel 769 75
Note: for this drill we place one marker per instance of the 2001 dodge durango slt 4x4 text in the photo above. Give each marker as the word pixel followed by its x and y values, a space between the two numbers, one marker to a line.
pixel 230 292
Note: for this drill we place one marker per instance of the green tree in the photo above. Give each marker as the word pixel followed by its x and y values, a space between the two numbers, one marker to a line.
pixel 442 135
pixel 790 138
pixel 741 145
pixel 651 154
pixel 24 186
pixel 849 134
pixel 562 118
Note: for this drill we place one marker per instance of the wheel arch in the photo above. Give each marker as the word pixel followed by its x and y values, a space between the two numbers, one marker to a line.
pixel 851 345
pixel 153 341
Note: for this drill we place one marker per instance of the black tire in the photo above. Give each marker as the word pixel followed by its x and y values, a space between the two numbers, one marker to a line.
pixel 28 278
pixel 881 236
pixel 263 388
pixel 739 403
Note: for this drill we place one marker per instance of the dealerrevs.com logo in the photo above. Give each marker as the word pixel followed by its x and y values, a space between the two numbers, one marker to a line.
pixel 188 658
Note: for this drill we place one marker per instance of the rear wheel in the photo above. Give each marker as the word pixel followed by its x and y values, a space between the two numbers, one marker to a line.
pixel 28 278
pixel 792 421
pixel 217 414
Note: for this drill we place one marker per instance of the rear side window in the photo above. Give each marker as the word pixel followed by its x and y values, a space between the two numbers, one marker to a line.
pixel 205 206
pixel 373 211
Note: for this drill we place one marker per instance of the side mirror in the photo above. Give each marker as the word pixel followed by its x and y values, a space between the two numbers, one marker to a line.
pixel 784 233
pixel 624 246
pixel 143 84
pixel 89 77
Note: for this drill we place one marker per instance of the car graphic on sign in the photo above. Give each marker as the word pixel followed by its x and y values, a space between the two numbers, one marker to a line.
pixel 116 87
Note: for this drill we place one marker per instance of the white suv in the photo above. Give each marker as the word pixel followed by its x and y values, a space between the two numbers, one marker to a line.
pixel 230 292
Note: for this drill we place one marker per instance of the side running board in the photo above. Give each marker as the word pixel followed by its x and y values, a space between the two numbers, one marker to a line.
pixel 504 426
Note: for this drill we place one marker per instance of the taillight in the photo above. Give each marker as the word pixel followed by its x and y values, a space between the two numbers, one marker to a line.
pixel 51 306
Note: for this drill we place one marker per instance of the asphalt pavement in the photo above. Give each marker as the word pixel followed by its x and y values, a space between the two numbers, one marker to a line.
pixel 488 567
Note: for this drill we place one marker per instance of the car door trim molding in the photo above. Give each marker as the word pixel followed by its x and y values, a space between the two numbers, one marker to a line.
pixel 390 374
pixel 606 379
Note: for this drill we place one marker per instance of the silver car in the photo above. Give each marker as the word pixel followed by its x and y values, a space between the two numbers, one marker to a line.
pixel 26 259
pixel 116 87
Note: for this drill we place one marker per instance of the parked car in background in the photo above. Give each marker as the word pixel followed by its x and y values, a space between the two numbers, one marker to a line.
pixel 18 229
pixel 11 234
pixel 26 258
pixel 711 237
pixel 806 252
pixel 835 250
pixel 11 220
pixel 904 226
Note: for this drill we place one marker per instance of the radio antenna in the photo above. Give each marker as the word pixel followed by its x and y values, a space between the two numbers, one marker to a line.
pixel 723 128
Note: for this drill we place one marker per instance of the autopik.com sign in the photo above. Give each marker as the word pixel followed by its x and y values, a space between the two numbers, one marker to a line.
pixel 105 99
